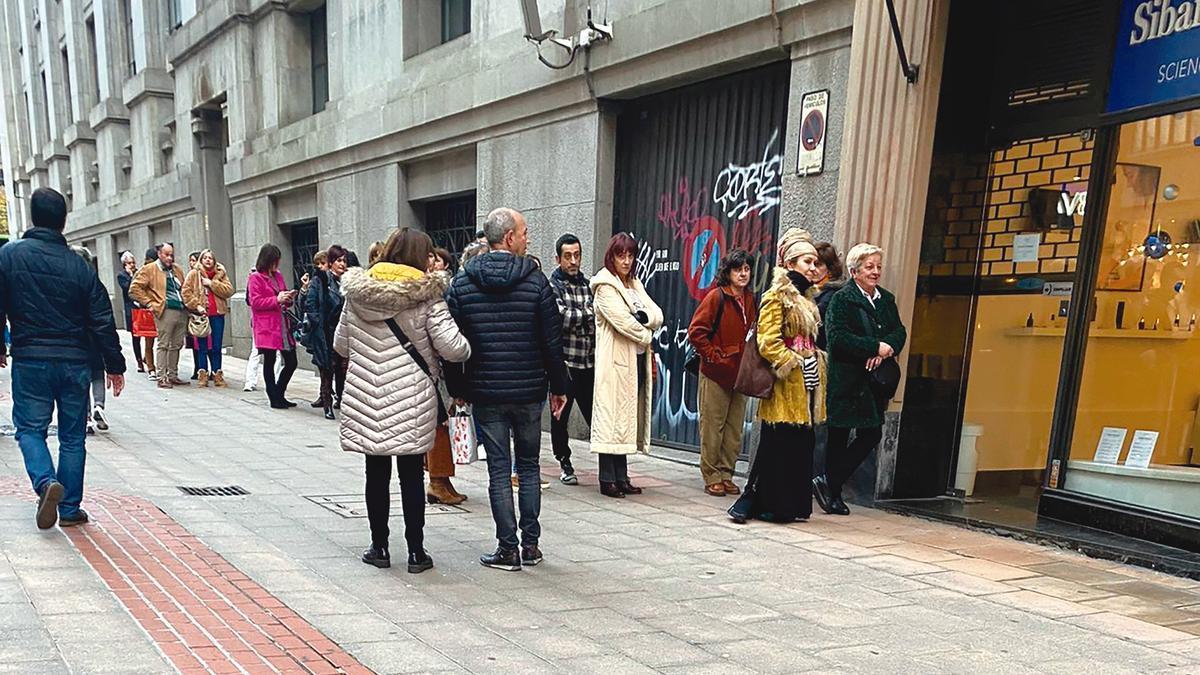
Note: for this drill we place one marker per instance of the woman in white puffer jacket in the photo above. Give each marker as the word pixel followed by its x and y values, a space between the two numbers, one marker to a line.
pixel 391 406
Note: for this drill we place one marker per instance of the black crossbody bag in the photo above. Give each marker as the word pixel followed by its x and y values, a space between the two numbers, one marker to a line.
pixel 421 363
pixel 884 380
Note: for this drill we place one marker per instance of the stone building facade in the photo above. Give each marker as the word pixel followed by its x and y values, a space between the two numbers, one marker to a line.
pixel 229 123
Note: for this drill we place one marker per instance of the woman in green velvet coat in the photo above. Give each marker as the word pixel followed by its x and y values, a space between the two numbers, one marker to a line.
pixel 863 328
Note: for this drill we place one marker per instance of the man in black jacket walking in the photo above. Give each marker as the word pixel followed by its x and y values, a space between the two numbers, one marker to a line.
pixel 60 316
pixel 504 305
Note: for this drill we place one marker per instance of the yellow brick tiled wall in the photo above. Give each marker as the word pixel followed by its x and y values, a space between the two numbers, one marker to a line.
pixel 968 223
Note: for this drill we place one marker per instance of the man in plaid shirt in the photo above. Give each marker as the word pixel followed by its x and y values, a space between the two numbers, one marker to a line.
pixel 574 295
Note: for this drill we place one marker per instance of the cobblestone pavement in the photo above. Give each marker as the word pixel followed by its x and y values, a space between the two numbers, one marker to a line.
pixel 270 581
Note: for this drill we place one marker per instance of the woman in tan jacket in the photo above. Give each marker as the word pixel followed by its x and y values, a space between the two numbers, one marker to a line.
pixel 626 319
pixel 206 290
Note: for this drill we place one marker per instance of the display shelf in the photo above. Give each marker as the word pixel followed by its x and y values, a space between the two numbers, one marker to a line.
pixel 1118 333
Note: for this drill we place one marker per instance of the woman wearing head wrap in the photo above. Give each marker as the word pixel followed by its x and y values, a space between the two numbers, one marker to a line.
pixel 779 488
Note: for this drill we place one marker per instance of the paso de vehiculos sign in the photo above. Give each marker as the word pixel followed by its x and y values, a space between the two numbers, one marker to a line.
pixel 1157 58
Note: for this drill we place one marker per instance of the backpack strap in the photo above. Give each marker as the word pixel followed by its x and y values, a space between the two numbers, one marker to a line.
pixel 409 347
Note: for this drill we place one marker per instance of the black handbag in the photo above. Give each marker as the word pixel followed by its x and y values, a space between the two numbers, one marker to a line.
pixel 885 379
pixel 692 363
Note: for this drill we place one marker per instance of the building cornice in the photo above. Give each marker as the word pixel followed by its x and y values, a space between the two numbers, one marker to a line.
pixel 108 111
pixel 148 83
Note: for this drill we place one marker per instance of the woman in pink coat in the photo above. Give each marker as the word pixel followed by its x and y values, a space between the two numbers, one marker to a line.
pixel 269 300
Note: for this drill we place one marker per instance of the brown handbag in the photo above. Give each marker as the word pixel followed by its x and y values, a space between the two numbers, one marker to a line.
pixel 755 376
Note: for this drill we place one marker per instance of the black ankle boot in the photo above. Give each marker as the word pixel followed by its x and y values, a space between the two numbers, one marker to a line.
pixel 611 490
pixel 628 488
pixel 377 556
pixel 329 413
pixel 419 562
pixel 821 492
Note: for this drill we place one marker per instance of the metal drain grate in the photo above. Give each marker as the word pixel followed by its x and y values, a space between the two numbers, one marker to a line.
pixel 355 506
pixel 218 491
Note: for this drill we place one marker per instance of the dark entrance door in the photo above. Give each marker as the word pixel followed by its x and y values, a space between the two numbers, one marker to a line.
pixel 450 222
pixel 699 172
pixel 304 247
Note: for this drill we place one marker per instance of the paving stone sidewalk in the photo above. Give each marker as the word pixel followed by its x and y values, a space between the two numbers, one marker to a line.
pixel 662 582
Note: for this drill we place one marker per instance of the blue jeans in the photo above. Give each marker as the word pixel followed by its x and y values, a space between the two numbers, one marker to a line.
pixel 522 423
pixel 208 349
pixel 39 386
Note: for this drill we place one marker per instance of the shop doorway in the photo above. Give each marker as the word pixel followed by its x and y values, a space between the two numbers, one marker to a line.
pixel 449 221
pixel 698 172
pixel 999 261
pixel 303 236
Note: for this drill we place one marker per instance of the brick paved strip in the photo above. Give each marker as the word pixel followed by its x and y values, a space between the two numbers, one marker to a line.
pixel 202 612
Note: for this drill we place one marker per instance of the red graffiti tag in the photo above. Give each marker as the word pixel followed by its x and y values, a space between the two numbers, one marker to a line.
pixel 680 212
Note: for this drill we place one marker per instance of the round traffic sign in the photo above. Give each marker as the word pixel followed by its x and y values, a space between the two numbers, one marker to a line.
pixel 812 130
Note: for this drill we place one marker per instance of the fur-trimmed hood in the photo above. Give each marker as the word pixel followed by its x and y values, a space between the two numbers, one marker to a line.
pixel 387 289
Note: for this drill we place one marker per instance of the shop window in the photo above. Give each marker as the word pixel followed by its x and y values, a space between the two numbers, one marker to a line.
pixel 174 15
pixel 67 98
pixel 456 19
pixel 1135 435
pixel 130 53
pixel 429 23
pixel 318 34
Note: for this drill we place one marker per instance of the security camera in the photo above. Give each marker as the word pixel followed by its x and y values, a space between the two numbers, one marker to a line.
pixel 533 22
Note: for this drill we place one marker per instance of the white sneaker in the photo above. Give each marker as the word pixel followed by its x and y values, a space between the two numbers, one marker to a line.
pixel 249 387
pixel 99 418
pixel 91 428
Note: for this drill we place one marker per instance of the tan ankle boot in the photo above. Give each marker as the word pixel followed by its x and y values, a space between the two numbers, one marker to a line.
pixel 438 493
pixel 202 378
pixel 218 379
pixel 456 493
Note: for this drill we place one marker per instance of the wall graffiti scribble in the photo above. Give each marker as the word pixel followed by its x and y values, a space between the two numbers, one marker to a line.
pixel 740 189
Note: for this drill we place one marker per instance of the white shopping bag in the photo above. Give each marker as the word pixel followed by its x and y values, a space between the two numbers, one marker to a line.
pixel 463 445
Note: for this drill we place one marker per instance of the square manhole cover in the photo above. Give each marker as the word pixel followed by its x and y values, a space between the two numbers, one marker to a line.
pixel 355 505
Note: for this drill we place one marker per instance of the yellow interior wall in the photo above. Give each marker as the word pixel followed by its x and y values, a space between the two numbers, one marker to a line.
pixel 1012 382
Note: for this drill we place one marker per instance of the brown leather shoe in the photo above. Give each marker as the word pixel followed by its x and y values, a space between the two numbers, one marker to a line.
pixel 715 489
pixel 165 384
pixel 439 493
pixel 218 379
pixel 731 488
pixel 178 382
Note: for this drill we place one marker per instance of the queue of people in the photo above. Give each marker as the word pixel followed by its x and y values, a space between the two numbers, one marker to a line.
pixel 503 338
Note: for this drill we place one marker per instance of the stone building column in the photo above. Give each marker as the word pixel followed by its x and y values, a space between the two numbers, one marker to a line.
pixel 209 195
pixel 110 120
pixel 80 142
pixel 150 98
pixel 887 149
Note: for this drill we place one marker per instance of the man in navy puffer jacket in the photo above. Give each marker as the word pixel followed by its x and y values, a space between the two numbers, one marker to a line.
pixel 506 308
pixel 62 320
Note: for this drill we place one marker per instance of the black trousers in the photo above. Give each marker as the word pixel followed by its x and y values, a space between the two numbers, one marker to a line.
pixel 137 350
pixel 614 468
pixel 277 389
pixel 411 471
pixel 842 457
pixel 583 381
pixel 333 379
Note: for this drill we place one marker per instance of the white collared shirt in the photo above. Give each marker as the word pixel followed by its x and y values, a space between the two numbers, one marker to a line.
pixel 870 298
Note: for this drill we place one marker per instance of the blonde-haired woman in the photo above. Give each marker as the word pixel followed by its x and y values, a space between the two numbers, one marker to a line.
pixel 206 290
pixel 780 485
pixel 864 330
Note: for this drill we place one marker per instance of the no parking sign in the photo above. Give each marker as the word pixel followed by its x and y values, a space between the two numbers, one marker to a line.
pixel 814 110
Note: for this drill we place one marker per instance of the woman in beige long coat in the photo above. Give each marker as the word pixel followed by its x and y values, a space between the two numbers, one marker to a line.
pixel 626 319
pixel 393 330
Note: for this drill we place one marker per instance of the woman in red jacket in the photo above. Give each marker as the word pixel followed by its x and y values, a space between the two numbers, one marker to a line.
pixel 717 333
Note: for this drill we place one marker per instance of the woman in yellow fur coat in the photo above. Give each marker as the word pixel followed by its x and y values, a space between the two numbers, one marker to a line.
pixel 780 485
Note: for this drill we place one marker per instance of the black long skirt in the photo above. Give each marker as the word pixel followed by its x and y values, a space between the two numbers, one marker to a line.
pixel 780 484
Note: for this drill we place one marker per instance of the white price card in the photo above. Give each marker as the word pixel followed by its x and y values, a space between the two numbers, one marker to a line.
pixel 1141 448
pixel 1025 247
pixel 1112 439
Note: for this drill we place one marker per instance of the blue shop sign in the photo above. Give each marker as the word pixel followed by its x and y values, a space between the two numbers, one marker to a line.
pixel 1157 59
